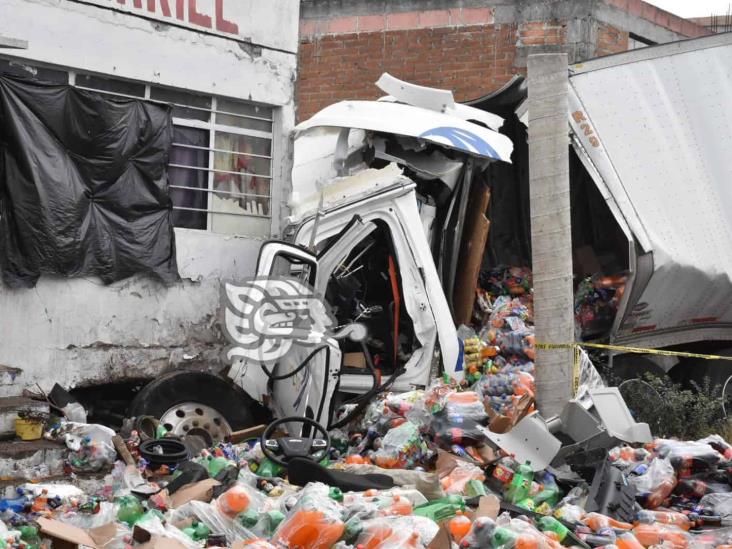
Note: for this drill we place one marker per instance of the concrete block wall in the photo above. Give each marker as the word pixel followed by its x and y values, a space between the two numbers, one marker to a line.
pixel 469 46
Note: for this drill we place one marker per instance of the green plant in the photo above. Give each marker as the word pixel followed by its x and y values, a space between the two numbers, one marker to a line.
pixel 674 411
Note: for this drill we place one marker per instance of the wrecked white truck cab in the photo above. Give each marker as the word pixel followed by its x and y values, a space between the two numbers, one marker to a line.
pixel 374 184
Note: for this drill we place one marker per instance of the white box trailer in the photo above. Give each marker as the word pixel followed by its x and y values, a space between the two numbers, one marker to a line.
pixel 653 127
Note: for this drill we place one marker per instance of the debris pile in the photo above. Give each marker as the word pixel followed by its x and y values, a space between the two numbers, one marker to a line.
pixel 448 484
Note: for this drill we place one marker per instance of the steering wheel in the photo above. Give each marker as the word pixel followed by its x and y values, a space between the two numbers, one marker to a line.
pixel 282 450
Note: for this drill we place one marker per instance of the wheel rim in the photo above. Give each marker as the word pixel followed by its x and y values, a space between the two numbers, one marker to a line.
pixel 194 417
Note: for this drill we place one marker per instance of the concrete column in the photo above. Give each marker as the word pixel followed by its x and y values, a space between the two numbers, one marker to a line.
pixel 551 236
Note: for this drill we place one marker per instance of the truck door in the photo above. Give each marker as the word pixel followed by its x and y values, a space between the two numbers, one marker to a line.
pixel 303 382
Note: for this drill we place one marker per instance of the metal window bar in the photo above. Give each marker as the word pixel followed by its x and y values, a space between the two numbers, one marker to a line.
pixel 251 117
pixel 183 145
pixel 232 193
pixel 243 174
pixel 235 130
pixel 243 214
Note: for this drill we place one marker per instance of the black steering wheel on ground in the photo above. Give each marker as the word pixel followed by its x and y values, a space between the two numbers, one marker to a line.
pixel 282 450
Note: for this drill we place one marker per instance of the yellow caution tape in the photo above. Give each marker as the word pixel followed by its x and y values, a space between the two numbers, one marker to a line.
pixel 637 350
pixel 577 347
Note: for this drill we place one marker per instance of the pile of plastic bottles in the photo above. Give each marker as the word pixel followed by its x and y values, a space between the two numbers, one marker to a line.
pixel 684 495
pixel 596 302
pixel 499 355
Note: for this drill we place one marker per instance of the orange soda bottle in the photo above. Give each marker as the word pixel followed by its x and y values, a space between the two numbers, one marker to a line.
pixel 234 501
pixel 459 526
pixel 310 529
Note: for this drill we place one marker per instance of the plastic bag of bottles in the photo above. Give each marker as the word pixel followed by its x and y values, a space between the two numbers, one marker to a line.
pixel 407 532
pixel 687 458
pixel 314 522
pixel 720 504
pixel 401 448
pixel 209 515
pixel 456 480
pixel 656 484
pixel 90 446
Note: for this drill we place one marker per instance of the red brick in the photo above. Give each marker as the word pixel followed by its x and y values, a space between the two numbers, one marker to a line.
pixel 406 20
pixel 341 25
pixel 635 7
pixel 477 16
pixel 675 23
pixel 307 27
pixel 648 11
pixel 662 18
pixel 371 23
pixel 433 18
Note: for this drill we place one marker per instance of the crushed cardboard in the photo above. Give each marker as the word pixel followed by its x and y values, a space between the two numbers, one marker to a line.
pixel 196 491
pixel 66 535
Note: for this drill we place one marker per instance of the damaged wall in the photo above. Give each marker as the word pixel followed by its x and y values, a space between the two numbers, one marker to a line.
pixel 78 331
pixel 469 46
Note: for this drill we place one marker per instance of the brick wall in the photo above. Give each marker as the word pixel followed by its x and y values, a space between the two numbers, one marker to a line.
pixel 462 49
pixel 611 40
pixel 458 49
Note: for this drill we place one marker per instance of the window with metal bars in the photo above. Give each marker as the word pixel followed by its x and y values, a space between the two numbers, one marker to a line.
pixel 220 168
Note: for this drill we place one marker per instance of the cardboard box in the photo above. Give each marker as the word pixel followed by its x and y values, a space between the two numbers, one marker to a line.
pixel 354 360
pixel 67 536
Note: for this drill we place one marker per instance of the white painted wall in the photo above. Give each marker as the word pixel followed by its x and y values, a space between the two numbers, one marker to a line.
pixel 77 331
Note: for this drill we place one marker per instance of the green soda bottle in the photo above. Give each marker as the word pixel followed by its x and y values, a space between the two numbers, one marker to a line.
pixel 268 468
pixel 197 531
pixel 29 534
pixel 550 524
pixel 550 493
pixel 503 536
pixel 475 488
pixel 441 509
pixel 274 518
pixel 130 510
pixel 520 484
pixel 216 465
pixel 248 518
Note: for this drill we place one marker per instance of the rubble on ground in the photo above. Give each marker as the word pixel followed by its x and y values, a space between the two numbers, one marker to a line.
pixel 459 480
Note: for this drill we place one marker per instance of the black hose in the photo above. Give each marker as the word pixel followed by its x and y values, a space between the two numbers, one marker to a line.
pixel 302 365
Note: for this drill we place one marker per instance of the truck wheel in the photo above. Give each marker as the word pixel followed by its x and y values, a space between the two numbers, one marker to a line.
pixel 197 403
pixel 697 369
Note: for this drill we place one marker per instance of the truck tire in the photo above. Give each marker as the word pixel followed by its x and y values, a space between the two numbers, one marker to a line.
pixel 696 369
pixel 632 366
pixel 197 403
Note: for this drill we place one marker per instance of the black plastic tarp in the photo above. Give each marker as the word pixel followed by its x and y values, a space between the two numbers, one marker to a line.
pixel 83 185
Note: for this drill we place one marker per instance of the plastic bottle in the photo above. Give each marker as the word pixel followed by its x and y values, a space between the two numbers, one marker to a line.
pixel 130 510
pixel 234 501
pixel 627 540
pixel 647 516
pixel 441 509
pixel 503 536
pixel 661 492
pixel 600 523
pixel 17 505
pixel 309 529
pixel 396 505
pixel 520 484
pixel 550 491
pixel 505 469
pixel 480 534
pixel 550 524
pixel 197 531
pixel 459 526
pixel 654 534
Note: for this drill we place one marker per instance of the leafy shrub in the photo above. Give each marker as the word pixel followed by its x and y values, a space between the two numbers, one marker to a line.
pixel 673 411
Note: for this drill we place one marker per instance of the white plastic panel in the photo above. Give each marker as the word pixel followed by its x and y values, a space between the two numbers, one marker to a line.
pixel 666 125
